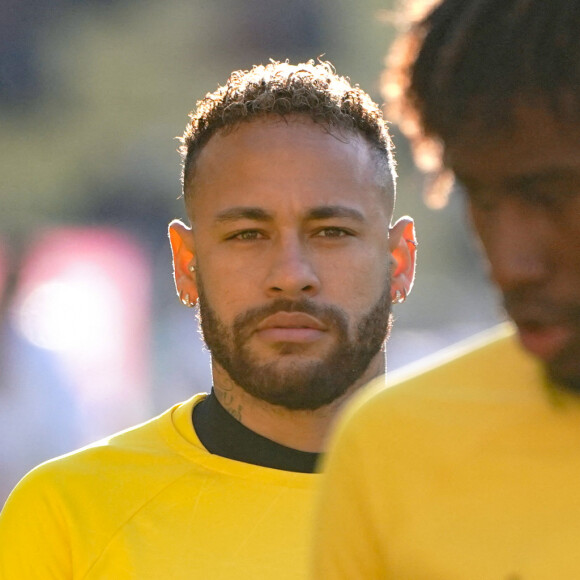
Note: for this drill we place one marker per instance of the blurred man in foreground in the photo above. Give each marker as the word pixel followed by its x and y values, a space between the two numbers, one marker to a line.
pixel 468 466
pixel 288 182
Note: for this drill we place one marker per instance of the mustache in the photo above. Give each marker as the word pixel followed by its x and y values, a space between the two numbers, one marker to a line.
pixel 330 315
pixel 528 306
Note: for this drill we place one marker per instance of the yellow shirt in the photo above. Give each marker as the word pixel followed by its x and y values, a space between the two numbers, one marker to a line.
pixel 468 469
pixel 151 502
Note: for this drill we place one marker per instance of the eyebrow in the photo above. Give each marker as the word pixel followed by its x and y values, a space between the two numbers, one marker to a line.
pixel 238 213
pixel 334 211
pixel 526 180
pixel 544 176
pixel 317 213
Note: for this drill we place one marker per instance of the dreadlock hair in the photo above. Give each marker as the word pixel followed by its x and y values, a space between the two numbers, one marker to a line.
pixel 474 60
pixel 310 90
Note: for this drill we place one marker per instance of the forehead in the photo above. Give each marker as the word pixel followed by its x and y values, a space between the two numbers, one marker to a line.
pixel 276 162
pixel 536 145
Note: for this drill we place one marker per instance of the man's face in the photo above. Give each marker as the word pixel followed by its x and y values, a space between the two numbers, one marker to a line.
pixel 292 254
pixel 523 189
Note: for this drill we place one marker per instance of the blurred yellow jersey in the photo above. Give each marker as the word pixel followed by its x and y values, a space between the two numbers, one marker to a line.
pixel 465 468
pixel 152 503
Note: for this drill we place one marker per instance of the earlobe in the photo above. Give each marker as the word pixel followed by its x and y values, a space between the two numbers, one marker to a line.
pixel 403 246
pixel 183 251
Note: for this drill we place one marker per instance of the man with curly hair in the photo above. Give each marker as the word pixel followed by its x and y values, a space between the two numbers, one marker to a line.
pixel 467 466
pixel 292 262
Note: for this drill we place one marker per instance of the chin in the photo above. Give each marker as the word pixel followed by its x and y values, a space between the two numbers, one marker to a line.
pixel 565 375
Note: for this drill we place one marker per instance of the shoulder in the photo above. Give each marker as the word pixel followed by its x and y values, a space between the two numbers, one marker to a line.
pixel 486 368
pixel 150 449
pixel 98 488
pixel 474 361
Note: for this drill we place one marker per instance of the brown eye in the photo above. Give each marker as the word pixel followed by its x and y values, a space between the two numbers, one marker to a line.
pixel 333 232
pixel 246 235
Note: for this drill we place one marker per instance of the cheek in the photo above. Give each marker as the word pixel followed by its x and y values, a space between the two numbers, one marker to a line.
pixel 360 288
pixel 483 224
pixel 224 292
pixel 568 231
pixel 229 300
pixel 478 220
pixel 568 242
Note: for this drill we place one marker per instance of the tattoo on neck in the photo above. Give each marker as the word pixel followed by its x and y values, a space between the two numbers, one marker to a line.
pixel 228 402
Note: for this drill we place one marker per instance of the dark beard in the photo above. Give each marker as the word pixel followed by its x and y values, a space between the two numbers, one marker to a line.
pixel 564 370
pixel 306 385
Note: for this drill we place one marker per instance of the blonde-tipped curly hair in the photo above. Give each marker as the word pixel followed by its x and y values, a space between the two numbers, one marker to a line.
pixel 310 89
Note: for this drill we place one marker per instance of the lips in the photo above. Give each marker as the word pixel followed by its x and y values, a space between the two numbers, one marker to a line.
pixel 546 326
pixel 545 341
pixel 291 327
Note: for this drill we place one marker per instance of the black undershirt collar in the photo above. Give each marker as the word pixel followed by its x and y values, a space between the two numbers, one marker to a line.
pixel 223 435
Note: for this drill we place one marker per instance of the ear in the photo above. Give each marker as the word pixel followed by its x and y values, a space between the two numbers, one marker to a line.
pixel 403 246
pixel 183 250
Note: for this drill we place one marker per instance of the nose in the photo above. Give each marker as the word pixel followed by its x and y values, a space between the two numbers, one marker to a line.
pixel 291 273
pixel 516 242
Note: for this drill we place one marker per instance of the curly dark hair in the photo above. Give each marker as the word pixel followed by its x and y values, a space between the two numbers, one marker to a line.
pixel 475 59
pixel 309 89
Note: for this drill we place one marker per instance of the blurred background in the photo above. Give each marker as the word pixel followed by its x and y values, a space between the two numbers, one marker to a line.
pixel 92 95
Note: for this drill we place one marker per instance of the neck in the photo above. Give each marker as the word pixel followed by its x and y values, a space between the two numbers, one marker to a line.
pixel 298 429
